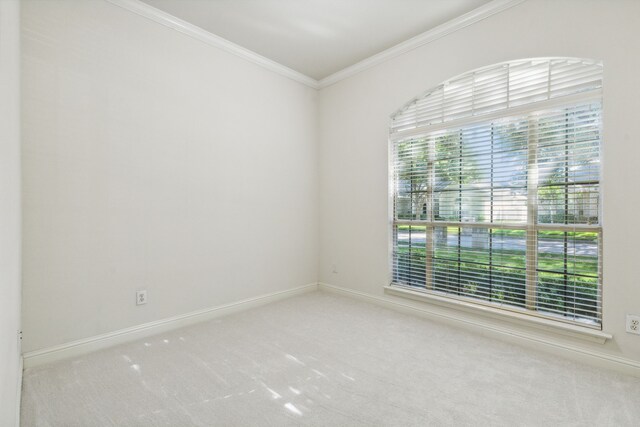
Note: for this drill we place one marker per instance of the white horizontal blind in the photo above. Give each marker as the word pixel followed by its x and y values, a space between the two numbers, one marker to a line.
pixel 505 211
pixel 499 87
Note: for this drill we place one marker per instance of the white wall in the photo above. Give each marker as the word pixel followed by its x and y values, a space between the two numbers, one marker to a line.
pixel 152 160
pixel 10 373
pixel 354 117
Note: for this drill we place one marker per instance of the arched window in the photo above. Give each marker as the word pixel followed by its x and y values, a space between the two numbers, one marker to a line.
pixel 496 189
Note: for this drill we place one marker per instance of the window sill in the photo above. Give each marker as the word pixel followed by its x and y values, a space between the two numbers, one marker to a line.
pixel 547 325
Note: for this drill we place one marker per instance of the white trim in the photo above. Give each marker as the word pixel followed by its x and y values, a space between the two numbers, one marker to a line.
pixel 476 15
pixel 87 345
pixel 508 333
pixel 147 11
pixel 546 324
pixel 19 390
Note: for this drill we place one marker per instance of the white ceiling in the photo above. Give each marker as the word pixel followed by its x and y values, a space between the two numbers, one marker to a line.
pixel 316 37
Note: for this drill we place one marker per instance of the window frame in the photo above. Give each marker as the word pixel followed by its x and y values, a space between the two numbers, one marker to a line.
pixel 531 226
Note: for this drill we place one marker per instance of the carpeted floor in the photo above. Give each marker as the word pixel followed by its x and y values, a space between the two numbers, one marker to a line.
pixel 325 360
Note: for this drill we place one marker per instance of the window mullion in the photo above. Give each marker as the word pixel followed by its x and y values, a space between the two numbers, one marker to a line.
pixel 532 215
pixel 491 218
pixel 565 242
pixel 459 287
pixel 430 229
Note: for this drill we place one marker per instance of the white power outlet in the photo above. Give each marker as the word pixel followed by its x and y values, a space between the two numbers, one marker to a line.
pixel 141 297
pixel 633 324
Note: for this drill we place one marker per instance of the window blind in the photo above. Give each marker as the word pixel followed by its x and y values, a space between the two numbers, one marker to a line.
pixel 496 189
pixel 499 87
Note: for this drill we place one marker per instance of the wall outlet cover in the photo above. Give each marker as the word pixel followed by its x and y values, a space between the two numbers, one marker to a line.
pixel 633 324
pixel 141 297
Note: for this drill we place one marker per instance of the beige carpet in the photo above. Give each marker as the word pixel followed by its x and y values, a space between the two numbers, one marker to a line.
pixel 325 360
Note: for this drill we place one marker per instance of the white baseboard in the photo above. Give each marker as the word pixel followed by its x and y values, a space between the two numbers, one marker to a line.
pixel 511 334
pixel 87 345
pixel 504 332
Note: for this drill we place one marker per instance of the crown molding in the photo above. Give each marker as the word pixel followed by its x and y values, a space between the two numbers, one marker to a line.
pixel 147 11
pixel 476 15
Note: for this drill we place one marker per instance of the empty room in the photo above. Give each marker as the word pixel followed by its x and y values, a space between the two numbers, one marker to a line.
pixel 319 213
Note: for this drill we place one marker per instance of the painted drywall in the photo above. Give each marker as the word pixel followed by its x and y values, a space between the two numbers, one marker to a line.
pixel 154 161
pixel 354 118
pixel 10 369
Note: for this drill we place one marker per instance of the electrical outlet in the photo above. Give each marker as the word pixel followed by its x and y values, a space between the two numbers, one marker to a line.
pixel 141 297
pixel 633 324
pixel 334 268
